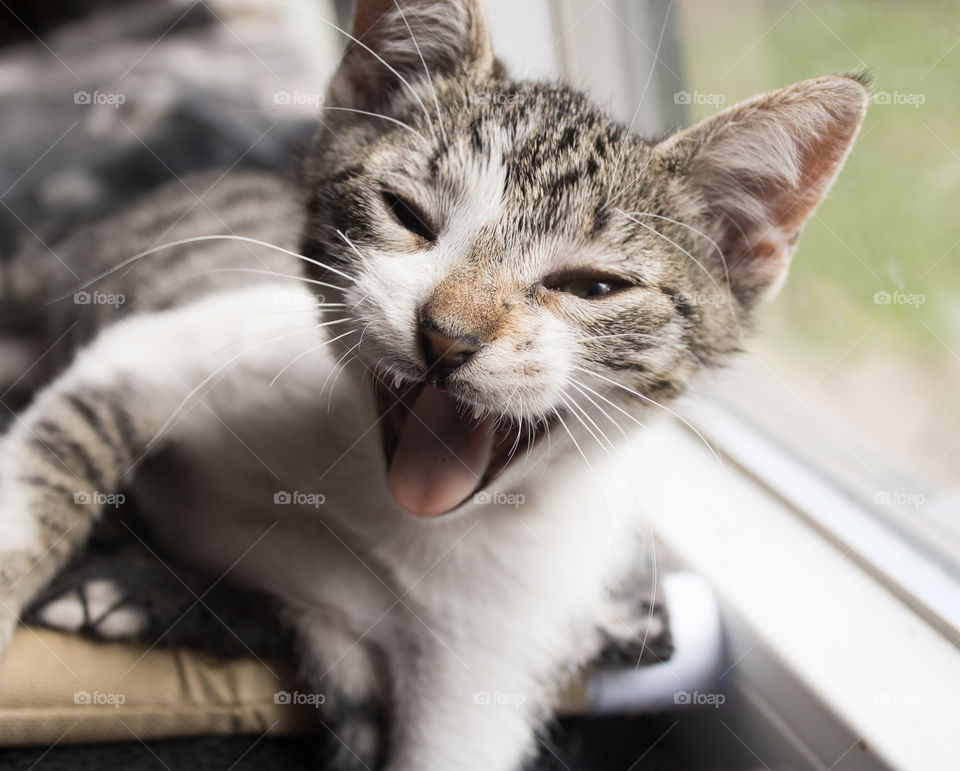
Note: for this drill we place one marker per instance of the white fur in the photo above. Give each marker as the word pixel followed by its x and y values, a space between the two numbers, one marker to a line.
pixel 491 605
pixel 18 529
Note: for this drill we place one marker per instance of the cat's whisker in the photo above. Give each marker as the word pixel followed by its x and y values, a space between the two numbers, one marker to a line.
pixel 577 410
pixel 611 403
pixel 655 403
pixel 653 592
pixel 692 229
pixel 346 239
pixel 263 272
pixel 436 102
pixel 674 244
pixel 709 274
pixel 601 410
pixel 191 240
pixel 516 442
pixel 628 134
pixel 336 369
pixel 614 197
pixel 373 53
pixel 300 309
pixel 400 123
pixel 505 412
pixel 308 351
pixel 572 438
pixel 342 368
pixel 172 419
pixel 366 327
pixel 546 461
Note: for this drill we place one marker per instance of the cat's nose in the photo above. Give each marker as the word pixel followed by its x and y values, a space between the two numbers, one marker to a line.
pixel 444 352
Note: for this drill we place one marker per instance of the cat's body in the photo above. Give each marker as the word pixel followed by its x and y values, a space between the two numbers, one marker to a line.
pixel 522 282
pixel 209 491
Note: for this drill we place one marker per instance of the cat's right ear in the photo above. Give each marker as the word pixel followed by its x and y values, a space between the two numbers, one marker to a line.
pixel 759 169
pixel 412 37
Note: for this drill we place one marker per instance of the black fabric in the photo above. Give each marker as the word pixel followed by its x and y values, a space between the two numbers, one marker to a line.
pixel 576 744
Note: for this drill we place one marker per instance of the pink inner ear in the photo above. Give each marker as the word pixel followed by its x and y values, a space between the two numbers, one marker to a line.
pixel 767 258
pixel 818 167
pixel 763 167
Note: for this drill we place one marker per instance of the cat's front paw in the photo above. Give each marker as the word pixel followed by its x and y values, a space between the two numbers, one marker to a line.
pixel 349 684
pixel 634 633
pixel 98 607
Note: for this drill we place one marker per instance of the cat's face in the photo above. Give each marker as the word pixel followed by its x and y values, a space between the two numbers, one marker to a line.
pixel 518 261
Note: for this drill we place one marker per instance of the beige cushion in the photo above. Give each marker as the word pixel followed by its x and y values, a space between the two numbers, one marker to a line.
pixel 63 688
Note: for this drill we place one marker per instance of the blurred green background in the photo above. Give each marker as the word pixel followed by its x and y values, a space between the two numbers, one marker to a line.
pixel 885 375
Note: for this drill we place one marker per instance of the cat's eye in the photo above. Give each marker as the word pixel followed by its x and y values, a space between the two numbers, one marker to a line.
pixel 585 286
pixel 408 215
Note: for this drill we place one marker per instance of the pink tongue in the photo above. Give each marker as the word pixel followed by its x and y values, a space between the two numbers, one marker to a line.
pixel 441 455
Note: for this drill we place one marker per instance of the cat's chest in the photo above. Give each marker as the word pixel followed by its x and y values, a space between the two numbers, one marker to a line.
pixel 280 477
pixel 261 452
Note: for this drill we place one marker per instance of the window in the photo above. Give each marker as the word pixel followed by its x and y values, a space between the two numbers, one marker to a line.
pixel 858 360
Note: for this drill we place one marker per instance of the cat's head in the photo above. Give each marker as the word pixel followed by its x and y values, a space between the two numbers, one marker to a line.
pixel 519 262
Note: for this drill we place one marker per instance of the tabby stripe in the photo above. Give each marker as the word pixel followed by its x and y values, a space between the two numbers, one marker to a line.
pixel 46 484
pixel 86 412
pixel 91 472
pixel 125 429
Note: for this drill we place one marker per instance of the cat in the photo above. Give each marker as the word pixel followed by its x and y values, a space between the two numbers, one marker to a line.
pixel 393 402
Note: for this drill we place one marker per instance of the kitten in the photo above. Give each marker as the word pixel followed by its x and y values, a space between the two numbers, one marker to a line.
pixel 420 464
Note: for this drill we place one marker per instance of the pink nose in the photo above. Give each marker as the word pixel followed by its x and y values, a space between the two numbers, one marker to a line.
pixel 443 353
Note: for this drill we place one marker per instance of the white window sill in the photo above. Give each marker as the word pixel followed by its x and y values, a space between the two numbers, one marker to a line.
pixel 828 668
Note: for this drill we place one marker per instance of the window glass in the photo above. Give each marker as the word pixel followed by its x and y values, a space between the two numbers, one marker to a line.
pixel 857 363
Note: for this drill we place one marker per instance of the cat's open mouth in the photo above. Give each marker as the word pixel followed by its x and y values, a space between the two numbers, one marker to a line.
pixel 438 455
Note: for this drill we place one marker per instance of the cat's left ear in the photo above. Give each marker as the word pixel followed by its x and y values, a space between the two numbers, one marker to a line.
pixel 760 168
pixel 412 36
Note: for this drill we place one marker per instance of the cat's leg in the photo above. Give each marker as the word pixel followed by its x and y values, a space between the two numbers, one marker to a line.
pixel 61 463
pixel 68 456
pixel 462 712
pixel 400 702
pixel 348 679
